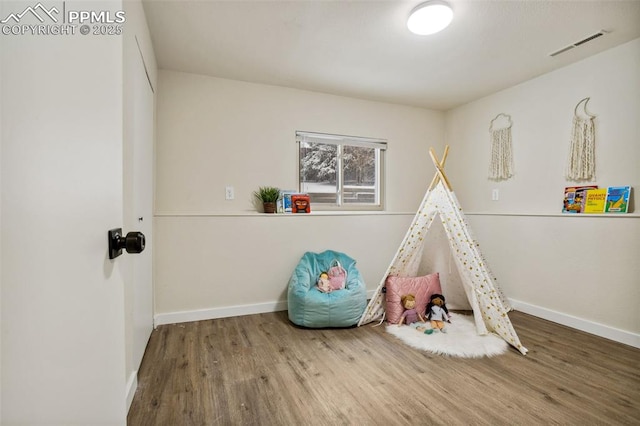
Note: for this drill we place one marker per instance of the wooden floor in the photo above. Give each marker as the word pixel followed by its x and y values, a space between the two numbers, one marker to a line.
pixel 262 370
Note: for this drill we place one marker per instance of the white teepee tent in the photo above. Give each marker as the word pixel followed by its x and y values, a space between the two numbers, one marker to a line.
pixel 490 306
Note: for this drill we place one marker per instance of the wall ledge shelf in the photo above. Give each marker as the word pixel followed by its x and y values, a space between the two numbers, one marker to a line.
pixel 248 213
pixel 572 215
pixel 281 215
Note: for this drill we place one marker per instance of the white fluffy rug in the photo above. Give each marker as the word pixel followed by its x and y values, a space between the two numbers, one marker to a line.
pixel 460 340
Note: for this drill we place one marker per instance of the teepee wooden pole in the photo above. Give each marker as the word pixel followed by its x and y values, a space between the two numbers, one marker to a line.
pixel 439 165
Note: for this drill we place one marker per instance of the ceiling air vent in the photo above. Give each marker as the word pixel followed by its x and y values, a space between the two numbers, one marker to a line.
pixel 579 43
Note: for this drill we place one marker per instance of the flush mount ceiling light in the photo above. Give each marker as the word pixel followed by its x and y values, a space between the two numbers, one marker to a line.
pixel 430 17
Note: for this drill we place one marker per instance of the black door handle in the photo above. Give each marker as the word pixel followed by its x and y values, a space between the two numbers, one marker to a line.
pixel 133 242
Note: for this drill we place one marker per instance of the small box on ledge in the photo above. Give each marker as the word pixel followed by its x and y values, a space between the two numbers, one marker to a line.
pixel 300 203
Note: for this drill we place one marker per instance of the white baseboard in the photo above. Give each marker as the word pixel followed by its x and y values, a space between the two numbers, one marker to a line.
pixel 132 386
pixel 213 313
pixel 626 337
pixel 230 311
pixel 611 333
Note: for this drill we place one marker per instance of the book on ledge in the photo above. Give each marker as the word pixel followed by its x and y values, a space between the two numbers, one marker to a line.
pixel 284 201
pixel 574 198
pixel 594 200
pixel 617 200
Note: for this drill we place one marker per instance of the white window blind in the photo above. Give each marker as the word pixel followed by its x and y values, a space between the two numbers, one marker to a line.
pixel 341 140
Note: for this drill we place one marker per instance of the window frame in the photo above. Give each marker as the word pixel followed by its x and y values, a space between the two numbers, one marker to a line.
pixel 379 145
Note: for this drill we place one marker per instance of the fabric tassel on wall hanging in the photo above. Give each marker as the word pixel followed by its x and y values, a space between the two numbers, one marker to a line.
pixel 501 166
pixel 581 165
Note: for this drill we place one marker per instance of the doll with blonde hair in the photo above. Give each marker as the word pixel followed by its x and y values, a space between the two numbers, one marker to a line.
pixel 411 316
pixel 324 283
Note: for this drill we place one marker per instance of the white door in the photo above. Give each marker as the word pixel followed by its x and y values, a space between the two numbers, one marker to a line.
pixel 62 317
pixel 142 207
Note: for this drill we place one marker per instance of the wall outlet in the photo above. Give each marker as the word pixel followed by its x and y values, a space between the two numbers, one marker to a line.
pixel 229 193
pixel 495 195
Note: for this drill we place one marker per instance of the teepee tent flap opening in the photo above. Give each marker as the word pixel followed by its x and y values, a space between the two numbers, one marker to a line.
pixel 490 306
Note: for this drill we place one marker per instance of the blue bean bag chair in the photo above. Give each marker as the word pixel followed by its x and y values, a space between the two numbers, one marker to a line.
pixel 309 307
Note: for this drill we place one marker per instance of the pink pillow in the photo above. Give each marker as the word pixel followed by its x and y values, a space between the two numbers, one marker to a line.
pixel 421 287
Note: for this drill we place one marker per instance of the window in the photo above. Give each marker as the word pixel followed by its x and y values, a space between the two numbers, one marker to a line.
pixel 341 172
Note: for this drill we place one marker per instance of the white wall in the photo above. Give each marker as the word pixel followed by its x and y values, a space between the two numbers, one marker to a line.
pixel 214 132
pixel 213 255
pixel 216 266
pixel 581 271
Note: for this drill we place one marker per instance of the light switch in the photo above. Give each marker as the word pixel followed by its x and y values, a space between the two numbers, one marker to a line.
pixel 495 195
pixel 228 193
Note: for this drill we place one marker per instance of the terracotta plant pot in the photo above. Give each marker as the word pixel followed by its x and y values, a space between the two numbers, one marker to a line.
pixel 269 207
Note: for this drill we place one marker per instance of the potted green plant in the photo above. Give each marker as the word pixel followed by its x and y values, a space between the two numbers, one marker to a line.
pixel 268 195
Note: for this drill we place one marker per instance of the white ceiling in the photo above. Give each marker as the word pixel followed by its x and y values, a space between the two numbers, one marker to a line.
pixel 363 49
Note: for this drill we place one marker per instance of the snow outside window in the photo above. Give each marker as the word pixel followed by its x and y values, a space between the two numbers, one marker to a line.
pixel 341 172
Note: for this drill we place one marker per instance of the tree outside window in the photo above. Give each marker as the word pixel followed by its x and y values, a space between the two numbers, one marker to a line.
pixel 343 172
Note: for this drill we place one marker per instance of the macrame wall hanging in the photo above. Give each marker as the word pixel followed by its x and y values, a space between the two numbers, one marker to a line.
pixel 501 167
pixel 581 165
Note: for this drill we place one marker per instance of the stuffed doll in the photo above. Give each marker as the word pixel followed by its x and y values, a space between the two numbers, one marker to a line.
pixel 437 312
pixel 411 316
pixel 324 284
